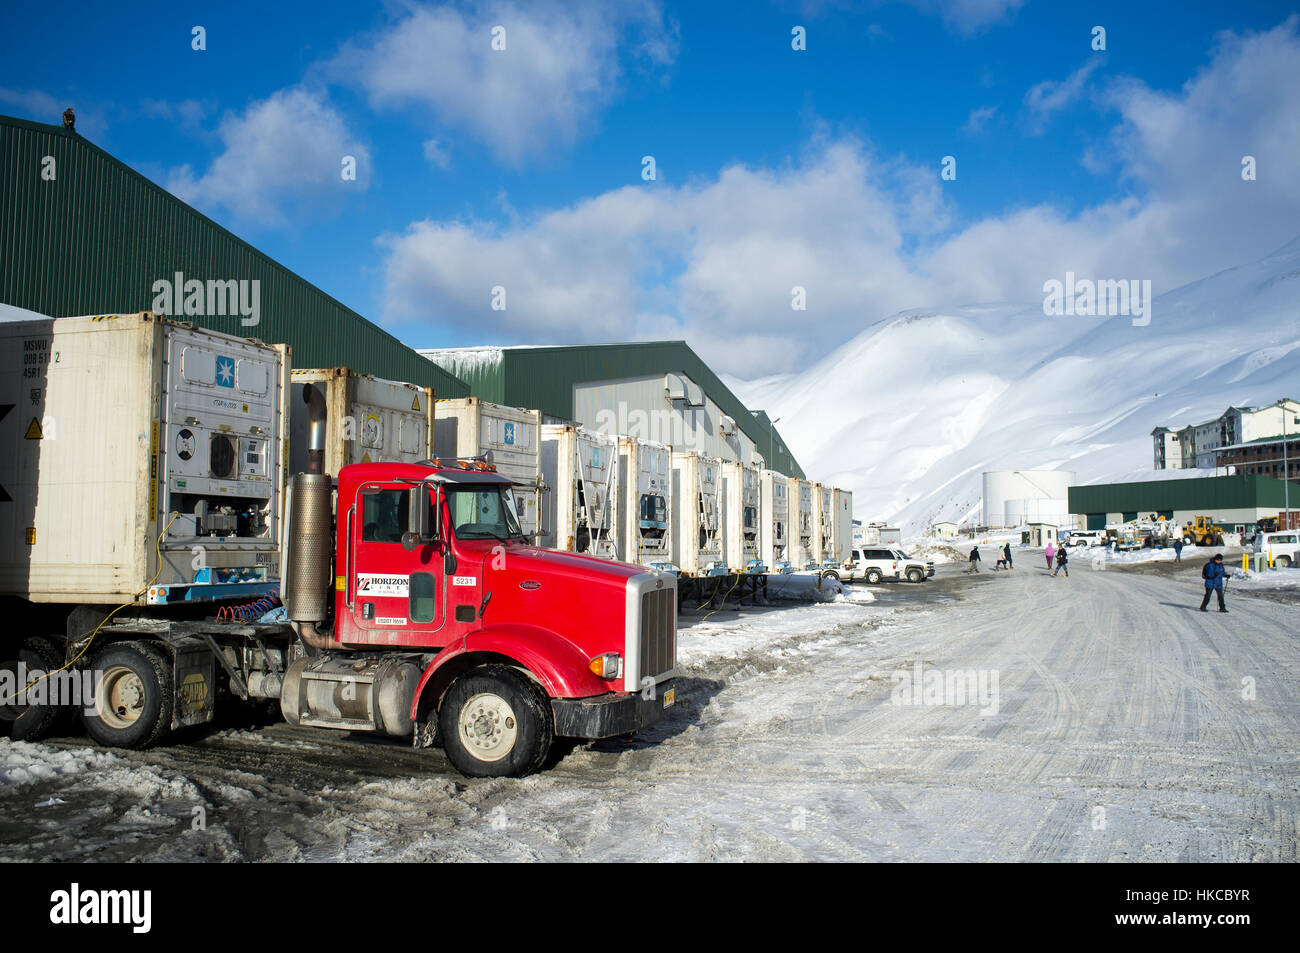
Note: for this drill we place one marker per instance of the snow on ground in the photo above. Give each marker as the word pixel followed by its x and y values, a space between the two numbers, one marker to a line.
pixel 788 741
pixel 1267 579
pixel 22 762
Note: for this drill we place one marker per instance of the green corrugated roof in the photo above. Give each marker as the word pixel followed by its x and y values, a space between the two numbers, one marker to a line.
pixel 1200 493
pixel 543 378
pixel 95 238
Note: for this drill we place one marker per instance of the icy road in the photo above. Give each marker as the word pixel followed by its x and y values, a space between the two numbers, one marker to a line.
pixel 1105 719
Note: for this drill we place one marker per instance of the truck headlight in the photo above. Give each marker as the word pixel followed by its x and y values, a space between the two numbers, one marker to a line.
pixel 605 666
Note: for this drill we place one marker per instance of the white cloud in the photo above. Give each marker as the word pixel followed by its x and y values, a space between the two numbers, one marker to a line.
pixel 436 153
pixel 285 150
pixel 560 66
pixel 1048 97
pixel 978 119
pixel 969 16
pixel 186 112
pixel 714 261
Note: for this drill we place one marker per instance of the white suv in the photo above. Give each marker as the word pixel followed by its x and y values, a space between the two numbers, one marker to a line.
pixel 1084 537
pixel 876 564
pixel 1283 547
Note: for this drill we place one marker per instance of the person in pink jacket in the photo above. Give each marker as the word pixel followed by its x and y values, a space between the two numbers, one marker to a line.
pixel 1050 553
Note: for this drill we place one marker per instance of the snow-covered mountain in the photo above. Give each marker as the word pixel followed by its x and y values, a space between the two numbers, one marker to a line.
pixel 909 413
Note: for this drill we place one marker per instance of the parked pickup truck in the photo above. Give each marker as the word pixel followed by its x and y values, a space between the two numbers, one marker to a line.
pixel 874 565
pixel 1284 548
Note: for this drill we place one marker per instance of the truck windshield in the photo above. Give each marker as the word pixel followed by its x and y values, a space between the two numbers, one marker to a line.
pixel 483 512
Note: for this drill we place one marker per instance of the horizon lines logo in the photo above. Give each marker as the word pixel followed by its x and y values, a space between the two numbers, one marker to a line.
pixel 1101 298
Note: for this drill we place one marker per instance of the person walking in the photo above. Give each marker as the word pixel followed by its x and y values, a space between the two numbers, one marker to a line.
pixel 1214 573
pixel 1050 553
pixel 1178 549
pixel 1062 563
pixel 1006 555
pixel 974 560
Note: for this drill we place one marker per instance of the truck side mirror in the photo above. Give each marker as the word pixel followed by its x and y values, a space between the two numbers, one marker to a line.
pixel 418 528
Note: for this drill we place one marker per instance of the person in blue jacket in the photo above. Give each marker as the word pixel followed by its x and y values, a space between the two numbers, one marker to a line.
pixel 1214 573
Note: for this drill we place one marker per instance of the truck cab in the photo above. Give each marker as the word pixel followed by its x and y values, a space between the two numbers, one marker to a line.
pixel 449 625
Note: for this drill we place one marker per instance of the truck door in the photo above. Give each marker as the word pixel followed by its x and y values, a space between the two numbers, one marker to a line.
pixel 397 594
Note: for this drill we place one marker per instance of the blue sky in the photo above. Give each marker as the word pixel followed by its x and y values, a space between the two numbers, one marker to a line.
pixel 522 168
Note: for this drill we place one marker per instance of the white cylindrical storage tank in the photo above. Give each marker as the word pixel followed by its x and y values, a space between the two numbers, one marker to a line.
pixel 1003 485
pixel 1022 511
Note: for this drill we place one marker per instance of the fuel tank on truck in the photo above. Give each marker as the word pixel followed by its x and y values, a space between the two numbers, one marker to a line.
pixel 130 436
pixel 367 419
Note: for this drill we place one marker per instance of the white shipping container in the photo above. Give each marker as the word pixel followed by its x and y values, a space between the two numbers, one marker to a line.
pixel 774 538
pixel 802 524
pixel 823 529
pixel 367 419
pixel 698 514
pixel 743 509
pixel 842 505
pixel 468 427
pixel 580 500
pixel 136 441
pixel 645 521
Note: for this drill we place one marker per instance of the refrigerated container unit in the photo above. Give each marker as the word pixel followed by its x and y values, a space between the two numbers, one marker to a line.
pixel 842 507
pixel 645 521
pixel 742 518
pixel 775 533
pixel 823 528
pixel 579 505
pixel 801 523
pixel 155 452
pixel 364 419
pixel 510 437
pixel 698 516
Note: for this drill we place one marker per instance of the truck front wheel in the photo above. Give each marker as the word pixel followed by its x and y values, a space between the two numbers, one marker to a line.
pixel 495 724
pixel 915 575
pixel 30 721
pixel 134 696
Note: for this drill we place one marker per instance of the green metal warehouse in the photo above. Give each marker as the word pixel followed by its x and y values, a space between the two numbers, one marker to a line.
pixel 1236 503
pixel 624 388
pixel 95 238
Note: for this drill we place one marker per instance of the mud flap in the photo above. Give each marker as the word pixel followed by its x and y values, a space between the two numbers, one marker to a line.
pixel 195 682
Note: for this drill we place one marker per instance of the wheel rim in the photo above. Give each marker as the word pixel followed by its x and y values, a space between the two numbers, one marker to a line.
pixel 121 697
pixel 488 727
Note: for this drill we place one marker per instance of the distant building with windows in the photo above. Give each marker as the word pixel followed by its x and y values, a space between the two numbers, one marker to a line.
pixel 1199 445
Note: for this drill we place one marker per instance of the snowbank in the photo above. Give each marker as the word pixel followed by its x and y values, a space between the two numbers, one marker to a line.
pixel 802 587
pixel 23 762
pixel 1267 579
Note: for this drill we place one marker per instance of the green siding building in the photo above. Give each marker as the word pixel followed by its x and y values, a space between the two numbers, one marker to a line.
pixel 83 233
pixel 1234 502
pixel 578 383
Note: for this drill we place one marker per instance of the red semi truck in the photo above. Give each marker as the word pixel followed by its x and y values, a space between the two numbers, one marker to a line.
pixel 145 521
pixel 416 608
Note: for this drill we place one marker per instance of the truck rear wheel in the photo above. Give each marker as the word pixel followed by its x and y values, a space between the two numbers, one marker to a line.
pixel 30 722
pixel 134 696
pixel 495 724
pixel 874 576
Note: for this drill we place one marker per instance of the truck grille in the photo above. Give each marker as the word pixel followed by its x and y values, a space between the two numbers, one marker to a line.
pixel 658 651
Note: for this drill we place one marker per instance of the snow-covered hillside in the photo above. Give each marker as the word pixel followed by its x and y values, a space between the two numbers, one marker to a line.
pixel 909 413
